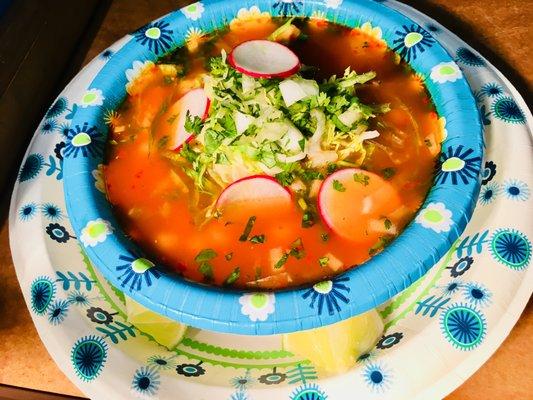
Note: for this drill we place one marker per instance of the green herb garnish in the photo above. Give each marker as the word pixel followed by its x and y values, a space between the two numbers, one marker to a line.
pixel 281 262
pixel 247 229
pixel 232 278
pixel 339 187
pixel 324 237
pixel 308 219
pixel 323 261
pixel 387 223
pixel 206 270
pixel 258 239
pixel 193 124
pixel 361 178
pixel 389 173
pixel 205 255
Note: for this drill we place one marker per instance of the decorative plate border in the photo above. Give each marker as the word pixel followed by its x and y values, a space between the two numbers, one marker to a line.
pixel 441 219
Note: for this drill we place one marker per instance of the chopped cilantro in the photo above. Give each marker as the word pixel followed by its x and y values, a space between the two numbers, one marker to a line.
pixel 324 237
pixel 228 256
pixel 162 143
pixel 232 278
pixel 206 270
pixel 323 261
pixel 297 249
pixel 380 245
pixel 310 175
pixel 205 255
pixel 301 143
pixel 339 187
pixel 281 262
pixel 247 229
pixel 331 168
pixel 387 223
pixel 361 178
pixel 285 178
pixel 258 239
pixel 172 118
pixel 428 142
pixel 308 219
pixel 193 124
pixel 389 172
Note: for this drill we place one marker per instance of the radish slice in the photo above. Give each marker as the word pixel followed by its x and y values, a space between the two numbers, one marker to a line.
pixel 351 199
pixel 258 189
pixel 264 59
pixel 196 103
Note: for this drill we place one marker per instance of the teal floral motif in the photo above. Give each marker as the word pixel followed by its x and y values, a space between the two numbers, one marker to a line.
pixel 137 271
pixel 51 212
pixel 146 381
pixel 461 266
pixel 491 90
pixel 301 374
pixel 190 370
pixel 273 378
pixel 477 294
pixel 460 164
pixel 287 7
pixel 48 126
pixel 57 108
pixel 83 139
pixel 328 293
pixel 117 331
pixel 78 298
pixel 463 326
pixel 193 11
pixel 488 193
pixel 161 362
pixel 377 377
pixel 505 109
pixel 468 57
pixel 88 356
pixel 27 211
pixel 242 382
pixel 309 391
pixel 516 190
pixel 511 248
pixel 31 167
pixel 58 312
pixel 42 293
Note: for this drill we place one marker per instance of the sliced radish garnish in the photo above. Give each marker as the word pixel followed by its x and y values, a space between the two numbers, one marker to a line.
pixel 196 103
pixel 264 59
pixel 294 90
pixel 257 189
pixel 350 200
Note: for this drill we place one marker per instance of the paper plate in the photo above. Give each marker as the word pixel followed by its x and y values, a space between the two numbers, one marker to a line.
pixel 438 331
pixel 437 225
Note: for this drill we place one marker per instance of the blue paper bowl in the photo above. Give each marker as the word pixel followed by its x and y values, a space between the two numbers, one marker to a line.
pixel 439 222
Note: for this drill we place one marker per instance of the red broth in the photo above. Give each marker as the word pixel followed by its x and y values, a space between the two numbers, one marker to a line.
pixel 151 197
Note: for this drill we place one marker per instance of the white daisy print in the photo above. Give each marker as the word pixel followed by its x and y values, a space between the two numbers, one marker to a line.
pixel 98 175
pixel 446 72
pixel 257 306
pixel 435 216
pixel 332 3
pixel 193 11
pixel 135 71
pixel 95 232
pixel 92 97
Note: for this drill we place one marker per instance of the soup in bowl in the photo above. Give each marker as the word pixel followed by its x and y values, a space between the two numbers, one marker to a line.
pixel 269 173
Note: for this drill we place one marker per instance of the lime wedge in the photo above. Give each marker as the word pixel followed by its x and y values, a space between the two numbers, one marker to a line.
pixel 334 349
pixel 164 330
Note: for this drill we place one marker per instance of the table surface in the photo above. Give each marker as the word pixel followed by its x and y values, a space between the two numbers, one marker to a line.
pixel 500 30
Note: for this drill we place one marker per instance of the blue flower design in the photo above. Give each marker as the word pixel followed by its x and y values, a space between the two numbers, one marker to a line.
pixel 468 57
pixel 88 356
pixel 516 190
pixel 161 362
pixel 137 270
pixel 48 126
pixel 387 341
pixel 308 391
pixel 42 293
pixel 377 377
pixel 328 292
pixel 78 298
pixel 58 233
pixel 488 172
pixel 477 294
pixel 412 40
pixel 57 108
pixel 190 370
pixel 488 193
pixel 461 266
pixel 156 36
pixel 51 211
pixel 106 54
pixel 242 382
pixel 491 90
pixel 58 150
pixel 272 378
pixel 463 326
pixel 287 7
pixel 32 166
pixel 27 211
pixel 451 287
pixel 457 163
pixel 146 381
pixel 511 248
pixel 64 128
pixel 506 109
pixel 58 312
pixel 239 396
pixel 84 139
